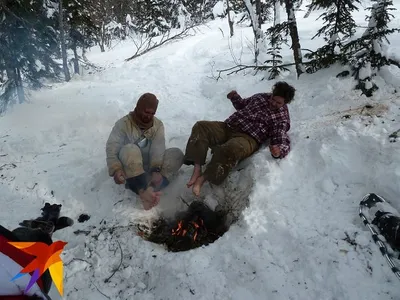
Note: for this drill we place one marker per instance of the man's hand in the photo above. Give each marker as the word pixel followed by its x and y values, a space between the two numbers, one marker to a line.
pixel 231 95
pixel 119 177
pixel 156 179
pixel 149 198
pixel 275 151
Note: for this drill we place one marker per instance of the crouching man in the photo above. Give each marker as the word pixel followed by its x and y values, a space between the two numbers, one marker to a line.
pixel 136 152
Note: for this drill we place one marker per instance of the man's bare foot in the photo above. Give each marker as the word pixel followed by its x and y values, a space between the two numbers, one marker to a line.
pixel 196 174
pixel 149 198
pixel 197 185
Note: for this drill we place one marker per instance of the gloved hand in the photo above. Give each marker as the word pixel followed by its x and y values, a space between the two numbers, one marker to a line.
pixel 231 94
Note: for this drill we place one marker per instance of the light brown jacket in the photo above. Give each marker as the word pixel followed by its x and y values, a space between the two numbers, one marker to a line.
pixel 125 131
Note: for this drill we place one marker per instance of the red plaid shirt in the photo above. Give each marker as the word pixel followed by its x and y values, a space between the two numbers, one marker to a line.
pixel 255 118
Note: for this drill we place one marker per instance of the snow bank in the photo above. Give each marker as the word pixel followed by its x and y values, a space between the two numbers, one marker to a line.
pixel 299 238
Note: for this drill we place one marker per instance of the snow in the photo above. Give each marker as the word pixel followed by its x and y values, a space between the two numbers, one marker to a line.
pixel 183 16
pixel 291 242
pixel 333 38
pixel 128 20
pixel 219 9
pixel 365 72
pixel 39 65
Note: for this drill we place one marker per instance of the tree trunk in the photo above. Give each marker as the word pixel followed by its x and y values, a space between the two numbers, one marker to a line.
pixel 230 22
pixel 277 12
pixel 84 53
pixel 14 75
pixel 20 87
pixel 76 58
pixel 258 12
pixel 294 34
pixel 102 37
pixel 259 39
pixel 62 41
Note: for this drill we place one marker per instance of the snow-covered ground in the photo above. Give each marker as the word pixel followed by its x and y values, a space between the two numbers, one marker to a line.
pixel 300 237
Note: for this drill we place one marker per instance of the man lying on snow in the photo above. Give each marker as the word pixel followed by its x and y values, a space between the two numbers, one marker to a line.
pixel 13 260
pixel 136 153
pixel 258 118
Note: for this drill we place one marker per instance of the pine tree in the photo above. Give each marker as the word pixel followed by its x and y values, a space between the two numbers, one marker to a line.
pixel 155 17
pixel 28 47
pixel 239 7
pixel 277 36
pixel 120 9
pixel 200 11
pixel 80 28
pixel 101 15
pixel 176 14
pixel 367 54
pixel 63 43
pixel 339 26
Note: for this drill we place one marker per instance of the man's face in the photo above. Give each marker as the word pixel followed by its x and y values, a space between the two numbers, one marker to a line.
pixel 277 102
pixel 147 115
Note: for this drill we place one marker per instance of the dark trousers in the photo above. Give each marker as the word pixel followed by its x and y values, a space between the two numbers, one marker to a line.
pixel 228 146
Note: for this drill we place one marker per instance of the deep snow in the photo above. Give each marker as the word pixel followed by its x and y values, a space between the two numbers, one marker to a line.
pixel 292 242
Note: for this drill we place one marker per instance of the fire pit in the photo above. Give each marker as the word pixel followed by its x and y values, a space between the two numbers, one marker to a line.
pixel 195 227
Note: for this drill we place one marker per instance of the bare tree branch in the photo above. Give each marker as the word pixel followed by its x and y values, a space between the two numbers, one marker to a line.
pixel 145 45
pixel 236 69
pixel 119 266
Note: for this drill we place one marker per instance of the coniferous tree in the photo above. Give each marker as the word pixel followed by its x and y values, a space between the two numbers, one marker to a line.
pixel 101 16
pixel 277 36
pixel 239 7
pixel 28 47
pixel 80 28
pixel 177 14
pixel 200 11
pixel 155 17
pixel 120 9
pixel 367 54
pixel 339 26
pixel 63 42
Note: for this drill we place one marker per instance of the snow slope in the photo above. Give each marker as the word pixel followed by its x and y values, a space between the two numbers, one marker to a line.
pixel 300 237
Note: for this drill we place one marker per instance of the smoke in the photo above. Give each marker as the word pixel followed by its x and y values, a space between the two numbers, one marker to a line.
pixel 232 196
pixel 171 198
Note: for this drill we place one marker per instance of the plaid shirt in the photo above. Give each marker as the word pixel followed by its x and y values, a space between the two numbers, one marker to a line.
pixel 255 118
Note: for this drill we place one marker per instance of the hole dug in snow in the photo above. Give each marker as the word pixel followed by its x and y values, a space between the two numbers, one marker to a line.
pixel 199 225
pixel 193 228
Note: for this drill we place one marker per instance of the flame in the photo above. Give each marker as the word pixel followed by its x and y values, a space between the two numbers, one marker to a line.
pixel 180 231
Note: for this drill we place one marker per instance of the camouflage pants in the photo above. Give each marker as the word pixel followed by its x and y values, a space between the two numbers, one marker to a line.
pixel 229 147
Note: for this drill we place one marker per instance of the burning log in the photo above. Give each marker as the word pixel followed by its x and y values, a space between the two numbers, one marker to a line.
pixel 197 226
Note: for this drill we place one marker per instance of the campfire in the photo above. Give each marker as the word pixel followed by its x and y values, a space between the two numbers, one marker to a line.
pixel 195 227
